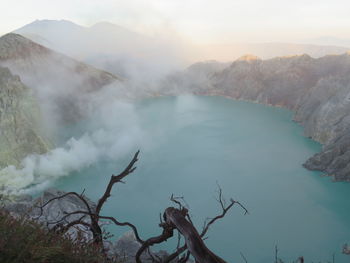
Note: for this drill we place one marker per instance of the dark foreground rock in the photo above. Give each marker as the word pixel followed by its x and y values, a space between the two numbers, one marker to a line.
pixel 51 214
pixel 25 206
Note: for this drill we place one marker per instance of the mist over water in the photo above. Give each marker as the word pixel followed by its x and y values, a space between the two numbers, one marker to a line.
pixel 190 143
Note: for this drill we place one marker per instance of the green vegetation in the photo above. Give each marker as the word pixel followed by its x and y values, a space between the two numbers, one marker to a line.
pixel 23 240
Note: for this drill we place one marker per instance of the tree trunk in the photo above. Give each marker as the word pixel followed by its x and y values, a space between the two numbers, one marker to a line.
pixel 193 240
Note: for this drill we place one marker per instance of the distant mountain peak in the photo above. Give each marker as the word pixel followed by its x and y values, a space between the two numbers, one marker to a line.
pixel 46 24
pixel 67 24
pixel 51 21
pixel 248 58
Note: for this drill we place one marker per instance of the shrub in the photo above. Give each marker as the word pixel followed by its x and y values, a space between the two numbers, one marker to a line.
pixel 23 240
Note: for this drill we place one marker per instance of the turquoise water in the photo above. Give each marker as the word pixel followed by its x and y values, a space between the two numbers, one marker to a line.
pixel 255 153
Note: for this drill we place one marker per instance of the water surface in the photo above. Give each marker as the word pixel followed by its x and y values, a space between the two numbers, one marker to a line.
pixel 255 153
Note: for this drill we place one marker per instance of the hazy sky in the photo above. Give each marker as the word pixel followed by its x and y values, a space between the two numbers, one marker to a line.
pixel 201 21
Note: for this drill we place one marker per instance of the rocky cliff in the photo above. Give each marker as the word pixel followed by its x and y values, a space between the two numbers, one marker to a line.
pixel 61 84
pixel 20 116
pixel 317 90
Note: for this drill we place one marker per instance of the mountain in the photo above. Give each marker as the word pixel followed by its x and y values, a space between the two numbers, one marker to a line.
pixel 231 52
pixel 317 90
pixel 26 57
pixel 59 82
pixel 78 41
pixel 143 58
pixel 108 46
pixel 20 118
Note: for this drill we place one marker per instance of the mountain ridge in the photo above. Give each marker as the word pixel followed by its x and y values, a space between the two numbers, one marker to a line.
pixel 119 50
pixel 108 46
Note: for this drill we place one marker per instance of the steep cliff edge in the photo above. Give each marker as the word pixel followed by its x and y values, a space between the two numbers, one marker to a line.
pixel 20 116
pixel 317 90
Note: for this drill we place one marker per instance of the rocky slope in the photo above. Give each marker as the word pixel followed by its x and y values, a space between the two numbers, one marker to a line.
pixel 317 90
pixel 60 83
pixel 20 116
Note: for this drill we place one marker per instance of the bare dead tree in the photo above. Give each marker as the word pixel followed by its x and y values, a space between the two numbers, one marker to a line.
pixel 94 214
pixel 207 223
pixel 179 219
pixel 172 219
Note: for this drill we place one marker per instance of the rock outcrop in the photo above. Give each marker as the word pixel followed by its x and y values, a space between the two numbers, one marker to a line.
pixel 26 205
pixel 317 90
pixel 20 121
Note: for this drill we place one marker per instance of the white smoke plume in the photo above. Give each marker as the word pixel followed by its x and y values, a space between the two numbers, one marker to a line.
pixel 115 133
pixel 64 87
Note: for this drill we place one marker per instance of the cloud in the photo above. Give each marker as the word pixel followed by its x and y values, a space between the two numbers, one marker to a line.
pixel 201 21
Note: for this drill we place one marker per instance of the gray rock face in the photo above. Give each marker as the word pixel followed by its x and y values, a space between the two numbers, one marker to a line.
pixel 20 116
pixel 49 215
pixel 53 212
pixel 317 90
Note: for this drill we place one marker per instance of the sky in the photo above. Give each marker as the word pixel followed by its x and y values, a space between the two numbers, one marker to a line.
pixel 200 21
